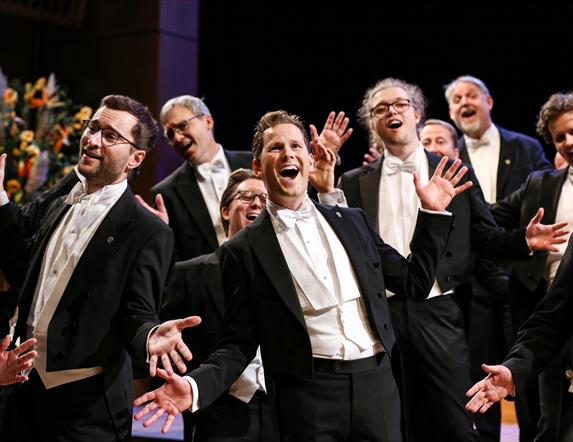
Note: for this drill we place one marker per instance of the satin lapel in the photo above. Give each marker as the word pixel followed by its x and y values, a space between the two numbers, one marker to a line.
pixel 506 159
pixel 265 245
pixel 551 186
pixel 49 224
pixel 369 184
pixel 464 156
pixel 105 242
pixel 236 160
pixel 347 234
pixel 211 273
pixel 190 195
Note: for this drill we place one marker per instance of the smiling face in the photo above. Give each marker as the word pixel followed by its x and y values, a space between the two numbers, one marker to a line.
pixel 470 109
pixel 438 139
pixel 284 165
pixel 102 165
pixel 561 129
pixel 194 140
pixel 396 130
pixel 241 213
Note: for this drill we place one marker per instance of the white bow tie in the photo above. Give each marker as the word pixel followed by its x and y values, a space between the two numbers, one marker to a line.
pixel 290 217
pixel 206 169
pixel 475 144
pixel 392 165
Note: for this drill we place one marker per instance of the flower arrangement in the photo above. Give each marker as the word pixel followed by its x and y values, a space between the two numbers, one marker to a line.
pixel 40 130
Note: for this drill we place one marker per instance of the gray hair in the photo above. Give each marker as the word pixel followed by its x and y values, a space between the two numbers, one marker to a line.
pixel 196 105
pixel 449 88
pixel 414 93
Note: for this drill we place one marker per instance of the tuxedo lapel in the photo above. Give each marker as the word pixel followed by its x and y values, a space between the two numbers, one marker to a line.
pixel 235 160
pixel 506 160
pixel 464 156
pixel 551 186
pixel 190 196
pixel 266 247
pixel 211 273
pixel 105 241
pixel 369 184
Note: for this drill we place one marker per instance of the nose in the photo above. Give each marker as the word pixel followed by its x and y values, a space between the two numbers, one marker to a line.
pixel 568 140
pixel 256 203
pixel 94 139
pixel 177 136
pixel 288 152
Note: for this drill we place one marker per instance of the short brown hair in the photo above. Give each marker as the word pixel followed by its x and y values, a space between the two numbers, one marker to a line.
pixel 272 119
pixel 236 178
pixel 557 104
pixel 451 129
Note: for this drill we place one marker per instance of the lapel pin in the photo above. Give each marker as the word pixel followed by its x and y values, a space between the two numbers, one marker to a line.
pixel 109 239
pixel 507 161
pixel 338 214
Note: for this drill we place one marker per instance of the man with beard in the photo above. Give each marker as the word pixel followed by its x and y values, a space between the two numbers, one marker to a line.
pixel 91 268
pixel 502 160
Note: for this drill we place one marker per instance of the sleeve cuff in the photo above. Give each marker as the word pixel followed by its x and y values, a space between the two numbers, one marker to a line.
pixel 4 198
pixel 147 342
pixel 433 212
pixel 335 198
pixel 195 391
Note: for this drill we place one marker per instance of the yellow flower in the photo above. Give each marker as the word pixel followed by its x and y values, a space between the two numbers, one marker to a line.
pixel 10 97
pixel 83 114
pixel 27 136
pixel 40 83
pixel 13 186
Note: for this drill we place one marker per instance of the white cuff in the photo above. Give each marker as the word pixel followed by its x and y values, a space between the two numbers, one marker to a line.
pixel 433 212
pixel 4 198
pixel 333 198
pixel 147 342
pixel 195 392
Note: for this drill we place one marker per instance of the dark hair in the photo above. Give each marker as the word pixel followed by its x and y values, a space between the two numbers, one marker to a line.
pixel 145 132
pixel 451 129
pixel 272 119
pixel 236 178
pixel 557 104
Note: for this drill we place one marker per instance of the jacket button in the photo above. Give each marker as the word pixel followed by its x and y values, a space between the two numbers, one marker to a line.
pixel 379 295
pixel 376 264
pixel 448 279
pixel 385 326
pixel 448 253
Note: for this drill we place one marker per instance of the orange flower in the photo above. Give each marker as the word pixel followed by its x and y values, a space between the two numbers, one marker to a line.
pixel 13 186
pixel 10 97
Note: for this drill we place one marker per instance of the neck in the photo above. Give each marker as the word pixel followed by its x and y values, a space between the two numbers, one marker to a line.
pixel 211 151
pixel 477 134
pixel 403 151
pixel 288 202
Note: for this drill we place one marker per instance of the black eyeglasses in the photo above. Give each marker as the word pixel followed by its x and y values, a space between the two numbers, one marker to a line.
pixel 170 132
pixel 248 196
pixel 400 106
pixel 109 137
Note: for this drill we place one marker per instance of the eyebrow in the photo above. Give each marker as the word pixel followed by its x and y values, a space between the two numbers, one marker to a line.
pixel 110 126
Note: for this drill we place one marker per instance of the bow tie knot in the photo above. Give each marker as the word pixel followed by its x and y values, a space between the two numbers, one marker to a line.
pixel 472 143
pixel 290 217
pixel 394 165
pixel 207 169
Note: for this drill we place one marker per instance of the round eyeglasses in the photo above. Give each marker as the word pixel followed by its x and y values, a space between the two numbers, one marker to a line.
pixel 382 109
pixel 109 137
pixel 170 132
pixel 248 196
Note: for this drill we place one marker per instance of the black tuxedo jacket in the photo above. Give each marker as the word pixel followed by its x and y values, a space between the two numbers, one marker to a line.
pixel 263 307
pixel 188 214
pixel 111 299
pixel 541 189
pixel 519 155
pixel 474 228
pixel 545 333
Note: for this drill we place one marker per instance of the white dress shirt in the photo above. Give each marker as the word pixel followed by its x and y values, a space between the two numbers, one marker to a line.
pixel 399 203
pixel 64 250
pixel 212 179
pixel 484 156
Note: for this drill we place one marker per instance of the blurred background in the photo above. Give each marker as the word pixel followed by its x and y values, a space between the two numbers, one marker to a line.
pixel 246 58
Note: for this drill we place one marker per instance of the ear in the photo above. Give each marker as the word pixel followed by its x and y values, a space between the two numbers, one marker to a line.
pixel 225 213
pixel 257 169
pixel 209 121
pixel 418 115
pixel 489 101
pixel 456 153
pixel 136 159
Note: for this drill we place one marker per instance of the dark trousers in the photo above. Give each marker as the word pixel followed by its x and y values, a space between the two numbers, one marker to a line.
pixel 229 419
pixel 71 412
pixel 345 401
pixel 436 369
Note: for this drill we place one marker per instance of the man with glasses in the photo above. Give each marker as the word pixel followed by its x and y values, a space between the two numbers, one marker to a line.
pixel 430 333
pixel 196 287
pixel 192 193
pixel 91 268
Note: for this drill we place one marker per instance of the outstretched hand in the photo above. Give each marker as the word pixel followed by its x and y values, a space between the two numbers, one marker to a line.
pixel 166 343
pixel 493 388
pixel 160 212
pixel 13 362
pixel 334 133
pixel 441 189
pixel 544 237
pixel 372 155
pixel 172 398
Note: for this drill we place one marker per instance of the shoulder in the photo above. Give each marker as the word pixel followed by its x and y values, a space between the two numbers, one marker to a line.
pixel 239 158
pixel 356 173
pixel 171 179
pixel 521 139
